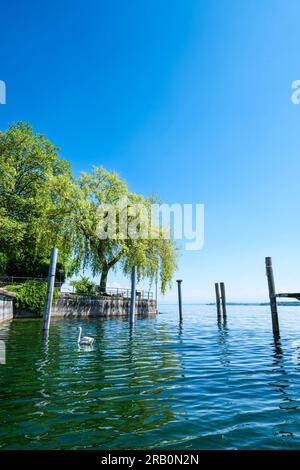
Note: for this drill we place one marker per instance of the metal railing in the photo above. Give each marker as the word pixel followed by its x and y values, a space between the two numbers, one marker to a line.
pixel 115 292
pixel 95 293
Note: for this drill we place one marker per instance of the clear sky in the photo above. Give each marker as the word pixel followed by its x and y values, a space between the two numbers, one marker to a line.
pixel 187 99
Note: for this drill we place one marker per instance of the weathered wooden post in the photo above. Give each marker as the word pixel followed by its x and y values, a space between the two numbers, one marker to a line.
pixel 133 294
pixel 223 297
pixel 272 295
pixel 179 281
pixel 218 300
pixel 50 289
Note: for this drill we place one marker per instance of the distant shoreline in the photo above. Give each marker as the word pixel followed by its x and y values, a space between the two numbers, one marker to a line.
pixel 246 304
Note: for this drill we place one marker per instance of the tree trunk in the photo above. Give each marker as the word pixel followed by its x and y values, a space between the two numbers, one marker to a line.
pixel 103 280
pixel 106 265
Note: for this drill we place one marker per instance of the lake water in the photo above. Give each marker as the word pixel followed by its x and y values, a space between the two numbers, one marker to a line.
pixel 201 385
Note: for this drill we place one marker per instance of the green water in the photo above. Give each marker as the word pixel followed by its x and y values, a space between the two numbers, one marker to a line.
pixel 162 386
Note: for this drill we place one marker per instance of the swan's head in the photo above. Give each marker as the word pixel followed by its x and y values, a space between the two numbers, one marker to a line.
pixel 79 328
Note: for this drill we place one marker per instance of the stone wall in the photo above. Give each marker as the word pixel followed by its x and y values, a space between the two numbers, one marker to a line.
pixel 70 306
pixel 6 308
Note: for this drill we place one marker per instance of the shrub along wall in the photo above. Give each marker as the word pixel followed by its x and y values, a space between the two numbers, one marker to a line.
pixel 31 295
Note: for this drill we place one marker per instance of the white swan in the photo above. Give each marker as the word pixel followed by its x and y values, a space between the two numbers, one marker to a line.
pixel 87 340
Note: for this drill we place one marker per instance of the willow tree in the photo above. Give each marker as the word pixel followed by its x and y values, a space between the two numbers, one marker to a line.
pixel 99 192
pixel 36 192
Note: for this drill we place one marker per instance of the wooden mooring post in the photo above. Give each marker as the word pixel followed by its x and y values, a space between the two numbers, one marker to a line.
pixel 133 295
pixel 218 300
pixel 179 281
pixel 272 295
pixel 223 298
pixel 50 289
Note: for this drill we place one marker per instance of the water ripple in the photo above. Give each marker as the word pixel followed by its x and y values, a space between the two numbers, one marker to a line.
pixel 199 385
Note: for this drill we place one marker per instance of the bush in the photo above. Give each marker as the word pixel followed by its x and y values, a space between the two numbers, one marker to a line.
pixel 84 286
pixel 31 296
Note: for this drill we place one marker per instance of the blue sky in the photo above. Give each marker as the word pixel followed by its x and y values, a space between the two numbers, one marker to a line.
pixel 187 99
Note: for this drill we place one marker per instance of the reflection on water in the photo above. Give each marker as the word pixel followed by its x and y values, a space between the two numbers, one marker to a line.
pixel 200 384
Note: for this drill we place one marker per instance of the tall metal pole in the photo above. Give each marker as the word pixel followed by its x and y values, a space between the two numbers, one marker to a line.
pixel 50 289
pixel 218 300
pixel 272 295
pixel 223 297
pixel 133 294
pixel 179 281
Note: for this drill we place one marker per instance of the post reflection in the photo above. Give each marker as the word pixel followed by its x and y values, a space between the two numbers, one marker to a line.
pixel 223 340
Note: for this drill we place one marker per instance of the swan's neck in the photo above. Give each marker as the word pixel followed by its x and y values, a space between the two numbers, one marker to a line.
pixel 79 335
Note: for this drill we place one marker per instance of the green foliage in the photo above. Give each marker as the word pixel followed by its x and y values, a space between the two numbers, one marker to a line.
pixel 84 286
pixel 42 206
pixel 31 295
pixel 36 193
pixel 152 257
pixel 3 262
pixel 13 287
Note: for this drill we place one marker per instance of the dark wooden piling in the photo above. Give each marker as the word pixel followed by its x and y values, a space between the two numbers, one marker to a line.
pixel 133 295
pixel 272 295
pixel 223 298
pixel 50 289
pixel 179 281
pixel 218 300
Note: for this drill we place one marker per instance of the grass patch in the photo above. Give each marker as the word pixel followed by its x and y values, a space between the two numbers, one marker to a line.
pixel 12 287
